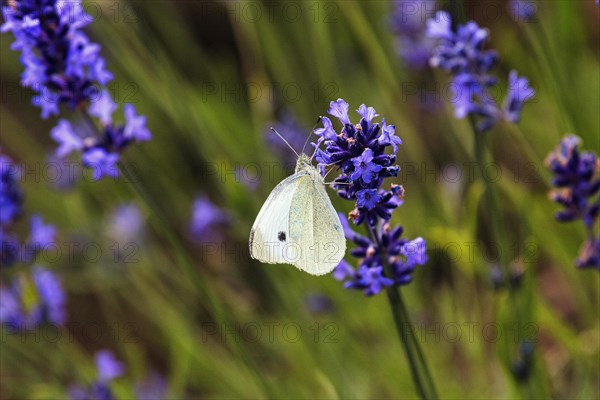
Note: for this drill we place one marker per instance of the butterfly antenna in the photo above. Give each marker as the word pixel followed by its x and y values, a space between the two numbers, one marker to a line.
pixel 310 134
pixel 285 141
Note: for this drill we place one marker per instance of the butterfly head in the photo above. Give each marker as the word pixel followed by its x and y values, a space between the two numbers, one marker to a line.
pixel 303 163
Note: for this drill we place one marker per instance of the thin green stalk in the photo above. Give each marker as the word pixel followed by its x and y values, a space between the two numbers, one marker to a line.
pixel 499 234
pixel 416 361
pixel 495 220
pixel 402 325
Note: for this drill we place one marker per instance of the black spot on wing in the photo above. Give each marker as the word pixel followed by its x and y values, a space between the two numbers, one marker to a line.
pixel 281 236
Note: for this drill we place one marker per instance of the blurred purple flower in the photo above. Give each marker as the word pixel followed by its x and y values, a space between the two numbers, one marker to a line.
pixel 291 130
pixel 126 224
pixel 415 252
pixel 107 366
pixel 102 163
pixel 65 136
pixel 316 303
pixel 11 197
pixel 522 10
pixel 32 300
pixel 135 126
pixel 577 183
pixel 344 270
pixel 409 25
pixel 41 235
pixel 519 92
pixel 10 249
pixel 97 391
pixel 205 217
pixel 103 107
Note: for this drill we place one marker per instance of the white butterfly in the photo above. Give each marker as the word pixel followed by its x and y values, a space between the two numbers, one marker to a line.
pixel 298 225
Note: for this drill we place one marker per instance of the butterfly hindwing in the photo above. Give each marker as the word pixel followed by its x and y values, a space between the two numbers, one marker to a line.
pixel 315 227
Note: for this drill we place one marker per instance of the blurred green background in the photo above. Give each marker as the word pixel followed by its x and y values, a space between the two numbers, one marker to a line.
pixel 210 76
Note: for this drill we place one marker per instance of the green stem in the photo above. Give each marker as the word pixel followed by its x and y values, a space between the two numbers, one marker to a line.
pixel 499 234
pixel 495 221
pixel 418 366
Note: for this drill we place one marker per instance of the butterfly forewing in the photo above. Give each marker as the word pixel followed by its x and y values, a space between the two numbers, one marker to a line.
pixel 270 233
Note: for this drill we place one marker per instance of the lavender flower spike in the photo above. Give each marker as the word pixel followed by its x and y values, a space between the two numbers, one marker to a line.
pixel 409 25
pixel 359 153
pixel 64 67
pixel 462 53
pixel 577 183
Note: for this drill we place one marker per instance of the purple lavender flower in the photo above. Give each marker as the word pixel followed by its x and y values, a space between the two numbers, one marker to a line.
pixel 67 138
pixel 519 92
pixel 577 182
pixel 344 270
pixel 339 109
pixel 462 54
pixel 388 136
pixel 32 300
pixel 108 369
pixel 11 197
pixel 368 198
pixel 126 224
pixel 359 152
pixel 11 202
pixel 364 167
pixel 409 25
pixel 96 391
pixel 317 303
pixel 135 125
pixel 41 234
pixel 40 237
pixel 64 67
pixel 103 108
pixel 326 132
pixel 61 63
pixel 402 256
pixel 522 10
pixel 415 252
pixel 295 134
pixel 206 216
pixel 102 162
pixel 10 249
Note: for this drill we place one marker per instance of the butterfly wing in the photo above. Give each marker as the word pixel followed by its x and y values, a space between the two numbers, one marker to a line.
pixel 270 233
pixel 316 233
